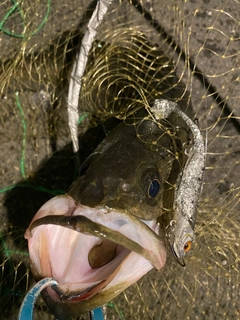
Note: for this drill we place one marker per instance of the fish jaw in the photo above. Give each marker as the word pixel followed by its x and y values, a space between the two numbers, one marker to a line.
pixel 63 253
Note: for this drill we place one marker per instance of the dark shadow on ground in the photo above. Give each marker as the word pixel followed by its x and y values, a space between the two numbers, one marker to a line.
pixel 54 176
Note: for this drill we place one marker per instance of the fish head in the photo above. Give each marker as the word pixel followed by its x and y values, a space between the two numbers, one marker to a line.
pixel 180 236
pixel 126 173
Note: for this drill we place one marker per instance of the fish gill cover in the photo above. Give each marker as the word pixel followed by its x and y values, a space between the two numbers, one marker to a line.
pixel 185 51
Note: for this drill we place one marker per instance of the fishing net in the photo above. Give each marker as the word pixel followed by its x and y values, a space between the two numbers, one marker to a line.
pixel 186 51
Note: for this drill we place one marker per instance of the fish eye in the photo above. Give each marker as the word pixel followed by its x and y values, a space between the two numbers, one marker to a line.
pixel 187 246
pixel 153 188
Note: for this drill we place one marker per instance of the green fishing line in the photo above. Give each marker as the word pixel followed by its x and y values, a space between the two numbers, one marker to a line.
pixel 16 6
pixel 7 188
pixel 119 312
pixel 54 192
pixel 8 252
pixel 82 117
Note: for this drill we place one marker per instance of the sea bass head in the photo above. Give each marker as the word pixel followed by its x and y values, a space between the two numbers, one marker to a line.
pixel 103 235
pixel 128 170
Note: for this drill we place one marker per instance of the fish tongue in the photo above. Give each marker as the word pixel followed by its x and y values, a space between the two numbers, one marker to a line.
pixel 102 254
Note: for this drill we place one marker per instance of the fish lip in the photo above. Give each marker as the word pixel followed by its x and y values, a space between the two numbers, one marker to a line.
pixel 179 260
pixel 69 208
pixel 74 297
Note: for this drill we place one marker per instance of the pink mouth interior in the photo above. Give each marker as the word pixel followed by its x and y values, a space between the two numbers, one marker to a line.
pixel 63 253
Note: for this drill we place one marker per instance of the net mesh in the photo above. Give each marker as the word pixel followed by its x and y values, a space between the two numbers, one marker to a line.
pixel 184 50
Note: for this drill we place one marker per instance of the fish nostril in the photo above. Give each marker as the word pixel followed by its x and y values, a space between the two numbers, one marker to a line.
pixel 87 192
pixel 126 187
pixel 92 194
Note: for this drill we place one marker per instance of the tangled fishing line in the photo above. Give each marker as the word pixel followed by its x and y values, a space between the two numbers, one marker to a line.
pixel 187 52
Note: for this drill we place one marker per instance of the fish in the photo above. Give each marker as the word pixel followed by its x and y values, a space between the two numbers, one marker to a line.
pixel 104 234
pixel 180 231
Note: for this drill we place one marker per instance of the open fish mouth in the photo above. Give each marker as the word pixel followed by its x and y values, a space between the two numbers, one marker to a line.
pixel 91 251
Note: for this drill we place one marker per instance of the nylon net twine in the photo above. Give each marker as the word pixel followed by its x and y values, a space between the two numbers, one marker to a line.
pixel 184 50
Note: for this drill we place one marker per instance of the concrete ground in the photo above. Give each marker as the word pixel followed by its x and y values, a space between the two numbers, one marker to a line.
pixel 37 159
